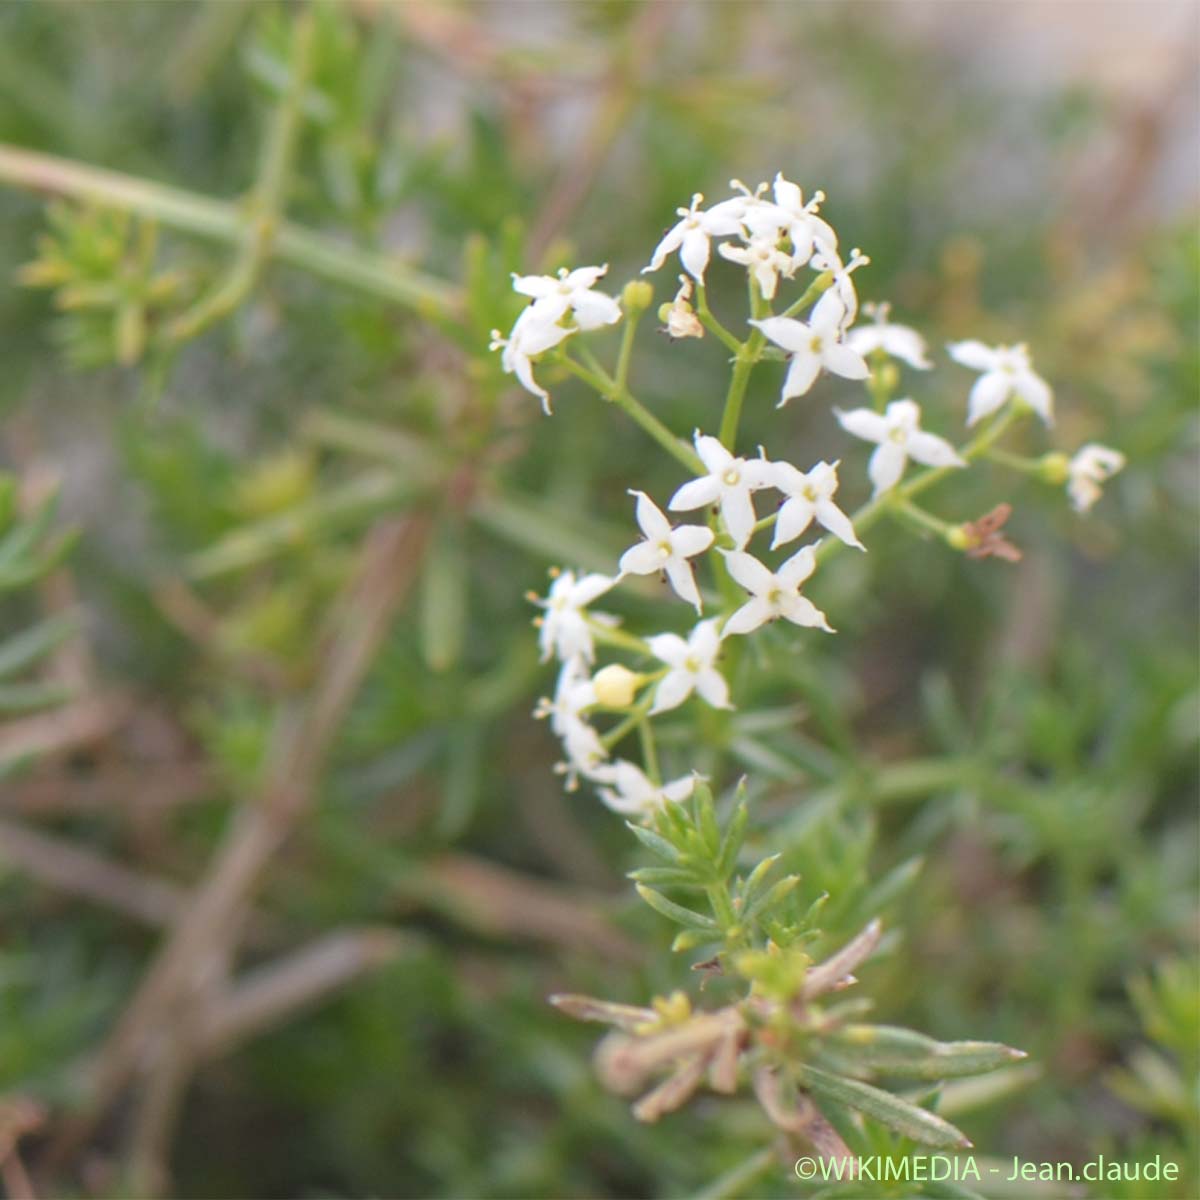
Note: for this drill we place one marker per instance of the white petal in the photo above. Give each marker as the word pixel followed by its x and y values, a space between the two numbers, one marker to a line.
pixel 674 688
pixel 748 571
pixel 903 414
pixel 933 451
pixel 642 559
pixel 802 611
pixel 694 253
pixel 583 278
pixel 523 369
pixel 798 568
pixel 738 511
pixel 972 354
pixel 695 494
pixel 828 313
pixel 669 648
pixel 836 521
pixel 679 790
pixel 712 453
pixel 794 518
pixel 713 689
pixel 863 423
pixel 1035 391
pixel 988 393
pixel 842 360
pixel 683 581
pixel 671 242
pixel 590 587
pixel 768 280
pixel 735 253
pixel 792 335
pixel 886 466
pixel 749 617
pixel 802 374
pixel 906 344
pixel 690 540
pixel 650 517
pixel 704 641
pixel 594 309
pixel 536 286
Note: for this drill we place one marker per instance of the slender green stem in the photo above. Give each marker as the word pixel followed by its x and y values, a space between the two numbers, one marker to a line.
pixel 821 284
pixel 625 353
pixel 267 198
pixel 636 717
pixel 649 752
pixel 218 221
pixel 922 519
pixel 711 323
pixel 617 637
pixel 595 375
pixel 1017 462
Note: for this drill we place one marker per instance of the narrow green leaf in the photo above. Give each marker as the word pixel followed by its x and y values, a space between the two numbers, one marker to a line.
pixel 774 896
pixel 666 876
pixel 731 843
pixel 31 644
pixel 17 698
pixel 676 912
pixel 895 1113
pixel 894 1051
pixel 654 842
pixel 443 614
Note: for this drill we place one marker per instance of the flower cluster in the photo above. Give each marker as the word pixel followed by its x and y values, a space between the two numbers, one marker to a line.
pixel 773 233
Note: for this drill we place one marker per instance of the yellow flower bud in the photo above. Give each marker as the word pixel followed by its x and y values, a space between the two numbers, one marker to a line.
pixel 616 686
pixel 1055 468
pixel 637 296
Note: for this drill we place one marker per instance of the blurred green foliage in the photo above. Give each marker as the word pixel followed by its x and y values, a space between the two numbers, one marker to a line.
pixel 1002 762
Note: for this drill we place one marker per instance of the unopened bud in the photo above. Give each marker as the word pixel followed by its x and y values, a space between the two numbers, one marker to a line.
pixel 637 296
pixel 615 686
pixel 959 538
pixel 1054 468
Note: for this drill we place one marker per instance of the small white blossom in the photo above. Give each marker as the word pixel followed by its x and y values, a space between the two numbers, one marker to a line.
pixel 564 628
pixel 570 290
pixel 826 259
pixel 806 230
pixel 691 234
pixel 585 753
pixel 900 437
pixel 1007 372
pixel 764 260
pixel 728 483
pixel 814 344
pixel 666 549
pixel 897 341
pixel 572 694
pixel 1091 466
pixel 531 335
pixel 634 795
pixel 773 594
pixel 809 494
pixel 693 667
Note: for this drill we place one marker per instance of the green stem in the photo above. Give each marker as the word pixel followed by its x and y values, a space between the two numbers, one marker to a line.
pixel 1017 462
pixel 922 519
pixel 821 284
pixel 266 201
pixel 625 353
pixel 602 382
pixel 711 323
pixel 219 221
pixel 609 636
pixel 649 752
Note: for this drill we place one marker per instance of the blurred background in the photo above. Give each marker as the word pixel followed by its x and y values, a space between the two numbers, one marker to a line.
pixel 307 509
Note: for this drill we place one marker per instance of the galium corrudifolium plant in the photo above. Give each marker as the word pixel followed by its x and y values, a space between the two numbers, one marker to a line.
pixel 811 1062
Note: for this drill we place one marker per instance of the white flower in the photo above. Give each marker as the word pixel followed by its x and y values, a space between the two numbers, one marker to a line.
pixel 900 438
pixel 564 628
pixel 572 694
pixel 690 236
pixel 805 229
pixel 585 753
pixel 814 345
pixel 729 483
pixel 898 341
pixel 1006 372
pixel 666 549
pixel 1090 467
pixel 809 495
pixel 635 795
pixel 692 666
pixel 773 594
pixel 763 259
pixel 531 335
pixel 826 259
pixel 572 290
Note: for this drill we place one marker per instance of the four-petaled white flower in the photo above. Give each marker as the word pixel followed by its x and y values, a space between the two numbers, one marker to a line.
pixel 1006 372
pixel 809 494
pixel 666 549
pixel 897 341
pixel 691 234
pixel 586 754
pixel 530 336
pixel 633 794
pixel 554 295
pixel 773 594
pixel 729 483
pixel 572 694
pixel 564 628
pixel 900 437
pixel 1090 467
pixel 814 345
pixel 764 260
pixel 692 666
pixel 806 230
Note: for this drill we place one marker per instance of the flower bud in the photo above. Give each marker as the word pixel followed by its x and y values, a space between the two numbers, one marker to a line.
pixel 958 537
pixel 615 686
pixel 1054 468
pixel 637 296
